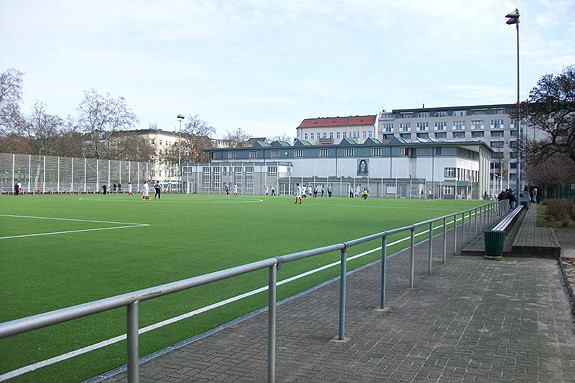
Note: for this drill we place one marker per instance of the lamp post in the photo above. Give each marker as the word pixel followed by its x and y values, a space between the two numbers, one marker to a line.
pixel 513 18
pixel 180 118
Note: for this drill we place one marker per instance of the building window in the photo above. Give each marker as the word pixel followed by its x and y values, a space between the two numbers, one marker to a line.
pixel 232 155
pixel 364 134
pixel 423 114
pixel 324 135
pixel 476 134
pixel 344 134
pixel 478 112
pixel 249 178
pixel 376 152
pixel 459 113
pixel 449 173
pixel 441 114
pixel 422 126
pixel 497 144
pixel 272 170
pixel 497 111
pixel 298 153
pixel 348 152
pixel 458 134
pixel 323 152
pixel 477 124
pixel 312 136
pixel 370 134
pixel 458 125
pixel 440 125
pixel 438 151
pixel 497 134
pixel 275 154
pixel 441 136
pixel 331 135
pixel 423 135
pixel 305 136
pixel 387 127
pixel 513 144
pixel 406 115
pixel 404 152
pixel 253 154
pixel 497 124
pixel 497 156
pixel 405 136
pixel 337 135
pixel 404 127
pixel 448 189
pixel 217 178
pixel 207 179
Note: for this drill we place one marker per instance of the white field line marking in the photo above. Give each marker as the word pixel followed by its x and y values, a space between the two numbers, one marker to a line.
pixel 129 225
pixel 231 200
pixel 84 350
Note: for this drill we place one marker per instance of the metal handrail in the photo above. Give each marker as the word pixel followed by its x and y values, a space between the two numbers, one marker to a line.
pixel 131 300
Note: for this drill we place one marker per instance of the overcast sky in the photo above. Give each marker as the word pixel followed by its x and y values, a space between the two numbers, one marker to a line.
pixel 264 66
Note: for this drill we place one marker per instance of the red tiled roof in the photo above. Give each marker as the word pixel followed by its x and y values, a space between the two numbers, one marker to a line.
pixel 338 121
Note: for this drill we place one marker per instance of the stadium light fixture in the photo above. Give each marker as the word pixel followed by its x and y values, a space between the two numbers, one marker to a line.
pixel 180 118
pixel 513 18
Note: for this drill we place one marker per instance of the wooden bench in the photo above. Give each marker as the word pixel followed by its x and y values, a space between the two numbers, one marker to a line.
pixel 495 237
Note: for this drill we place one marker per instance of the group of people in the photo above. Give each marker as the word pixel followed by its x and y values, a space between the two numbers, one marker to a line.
pixel 146 190
pixel 115 188
pixel 358 192
pixel 227 189
pixel 304 191
pixel 509 195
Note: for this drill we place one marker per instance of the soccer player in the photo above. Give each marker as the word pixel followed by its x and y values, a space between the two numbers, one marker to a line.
pixel 145 191
pixel 227 189
pixel 235 189
pixel 298 193
pixel 267 190
pixel 158 189
pixel 129 189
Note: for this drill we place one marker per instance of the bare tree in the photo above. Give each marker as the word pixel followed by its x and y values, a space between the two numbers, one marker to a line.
pixel 10 99
pixel 551 108
pixel 42 130
pixel 237 138
pixel 196 136
pixel 128 146
pixel 99 117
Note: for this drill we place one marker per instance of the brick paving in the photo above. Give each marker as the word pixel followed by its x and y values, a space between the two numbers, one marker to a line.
pixel 471 320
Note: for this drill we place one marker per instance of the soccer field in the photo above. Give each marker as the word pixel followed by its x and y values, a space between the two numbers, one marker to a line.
pixel 59 251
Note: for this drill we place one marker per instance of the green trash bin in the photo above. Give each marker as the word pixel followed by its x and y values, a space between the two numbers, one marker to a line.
pixel 494 241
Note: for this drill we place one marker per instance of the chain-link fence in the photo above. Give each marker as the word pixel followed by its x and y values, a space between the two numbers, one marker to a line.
pixel 45 174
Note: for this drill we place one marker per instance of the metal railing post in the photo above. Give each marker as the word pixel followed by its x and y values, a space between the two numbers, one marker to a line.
pixel 444 239
pixel 476 220
pixel 342 288
pixel 455 234
pixel 430 247
pixel 272 323
pixel 412 255
pixel 383 270
pixel 462 230
pixel 132 339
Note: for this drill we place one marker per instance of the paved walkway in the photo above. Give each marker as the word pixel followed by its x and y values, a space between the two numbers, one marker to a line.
pixel 472 320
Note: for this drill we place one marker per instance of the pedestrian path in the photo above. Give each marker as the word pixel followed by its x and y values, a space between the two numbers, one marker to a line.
pixel 471 320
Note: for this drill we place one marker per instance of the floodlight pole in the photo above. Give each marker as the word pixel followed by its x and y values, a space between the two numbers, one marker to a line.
pixel 513 18
pixel 180 118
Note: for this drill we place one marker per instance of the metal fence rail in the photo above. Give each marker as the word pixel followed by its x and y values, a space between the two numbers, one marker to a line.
pixel 486 213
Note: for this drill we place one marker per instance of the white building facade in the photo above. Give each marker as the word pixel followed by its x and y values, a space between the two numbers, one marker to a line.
pixel 391 169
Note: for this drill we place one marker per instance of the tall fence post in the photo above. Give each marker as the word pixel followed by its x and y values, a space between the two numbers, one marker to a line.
pixel 430 247
pixel 462 230
pixel 455 234
pixel 132 336
pixel 412 256
pixel 444 239
pixel 272 323
pixel 383 270
pixel 342 288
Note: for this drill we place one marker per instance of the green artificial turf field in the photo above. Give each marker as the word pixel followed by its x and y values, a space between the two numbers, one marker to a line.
pixel 59 251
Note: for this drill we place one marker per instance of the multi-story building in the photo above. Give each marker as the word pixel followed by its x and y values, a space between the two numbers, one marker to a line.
pixel 491 124
pixel 331 130
pixel 392 169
